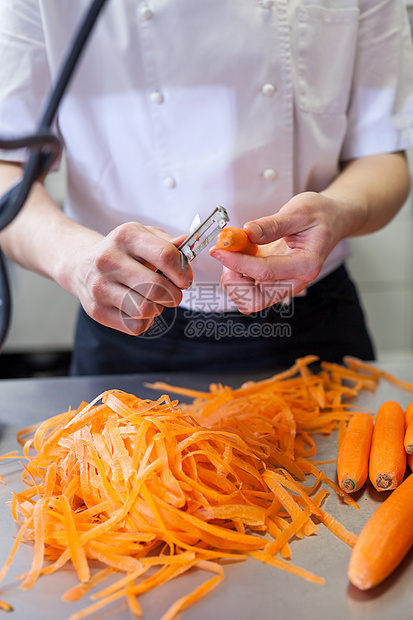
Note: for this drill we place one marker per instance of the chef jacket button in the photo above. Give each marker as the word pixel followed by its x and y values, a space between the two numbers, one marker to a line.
pixel 146 12
pixel 268 89
pixel 269 174
pixel 169 183
pixel 268 4
pixel 156 97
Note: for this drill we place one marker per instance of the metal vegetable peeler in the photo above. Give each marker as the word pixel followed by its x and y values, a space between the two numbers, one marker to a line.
pixel 194 244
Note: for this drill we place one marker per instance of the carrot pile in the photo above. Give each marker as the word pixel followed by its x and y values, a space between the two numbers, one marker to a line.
pixel 154 488
pixel 380 450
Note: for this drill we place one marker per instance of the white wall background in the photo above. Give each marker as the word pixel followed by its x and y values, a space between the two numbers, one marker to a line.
pixel 382 267
pixel 43 316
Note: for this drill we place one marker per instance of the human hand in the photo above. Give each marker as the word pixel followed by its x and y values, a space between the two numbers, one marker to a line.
pixel 115 277
pixel 293 245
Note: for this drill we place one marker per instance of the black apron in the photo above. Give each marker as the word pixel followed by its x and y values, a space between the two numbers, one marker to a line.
pixel 328 322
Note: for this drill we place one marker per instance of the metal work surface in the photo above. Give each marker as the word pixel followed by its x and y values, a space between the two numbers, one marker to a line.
pixel 251 590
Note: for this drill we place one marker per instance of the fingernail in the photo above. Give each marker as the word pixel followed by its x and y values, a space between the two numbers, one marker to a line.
pixel 256 230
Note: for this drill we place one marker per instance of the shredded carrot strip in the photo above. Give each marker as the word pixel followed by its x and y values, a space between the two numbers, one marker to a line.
pixel 77 592
pixel 194 596
pixel 5 606
pixel 286 566
pixel 157 487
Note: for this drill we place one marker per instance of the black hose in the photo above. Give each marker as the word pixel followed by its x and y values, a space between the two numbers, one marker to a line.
pixel 44 148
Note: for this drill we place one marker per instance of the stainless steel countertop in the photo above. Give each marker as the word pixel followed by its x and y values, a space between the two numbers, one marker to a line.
pixel 251 590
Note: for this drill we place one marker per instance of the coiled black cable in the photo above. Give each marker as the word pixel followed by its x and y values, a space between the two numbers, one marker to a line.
pixel 44 148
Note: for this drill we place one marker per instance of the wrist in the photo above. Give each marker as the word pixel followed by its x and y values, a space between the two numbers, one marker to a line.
pixel 71 264
pixel 351 213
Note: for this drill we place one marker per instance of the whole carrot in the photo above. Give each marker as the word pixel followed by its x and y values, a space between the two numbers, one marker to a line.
pixel 409 413
pixel 236 240
pixel 354 452
pixel 384 540
pixel 410 461
pixel 408 436
pixel 387 454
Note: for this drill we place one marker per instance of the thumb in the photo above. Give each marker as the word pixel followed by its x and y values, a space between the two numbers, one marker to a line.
pixel 266 229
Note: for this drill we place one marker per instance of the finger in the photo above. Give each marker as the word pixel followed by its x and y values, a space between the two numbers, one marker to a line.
pixel 159 232
pixel 134 327
pixel 137 306
pixel 252 266
pixel 142 278
pixel 297 264
pixel 144 300
pixel 116 319
pixel 159 292
pixel 250 296
pixel 263 230
pixel 283 224
pixel 178 240
pixel 143 245
pixel 240 289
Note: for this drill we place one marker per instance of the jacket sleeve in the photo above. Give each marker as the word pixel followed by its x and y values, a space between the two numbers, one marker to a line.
pixel 24 73
pixel 380 114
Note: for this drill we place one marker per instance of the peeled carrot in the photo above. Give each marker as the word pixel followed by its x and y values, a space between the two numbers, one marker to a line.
pixel 408 436
pixel 410 461
pixel 384 540
pixel 354 452
pixel 5 606
pixel 236 240
pixel 409 413
pixel 387 454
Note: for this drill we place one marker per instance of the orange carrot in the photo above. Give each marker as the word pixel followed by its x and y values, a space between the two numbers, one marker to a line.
pixel 387 455
pixel 137 483
pixel 236 240
pixel 384 540
pixel 357 364
pixel 5 606
pixel 410 461
pixel 354 452
pixel 408 436
pixel 409 413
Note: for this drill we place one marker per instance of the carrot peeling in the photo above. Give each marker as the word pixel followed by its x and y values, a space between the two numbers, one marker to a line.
pixel 236 240
pixel 153 484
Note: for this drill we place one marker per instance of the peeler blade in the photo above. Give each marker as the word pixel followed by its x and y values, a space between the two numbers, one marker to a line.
pixel 196 242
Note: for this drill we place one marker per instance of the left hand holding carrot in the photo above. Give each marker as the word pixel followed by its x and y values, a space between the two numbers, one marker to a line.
pixel 292 247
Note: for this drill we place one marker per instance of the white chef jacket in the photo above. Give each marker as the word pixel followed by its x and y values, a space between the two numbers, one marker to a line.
pixel 180 105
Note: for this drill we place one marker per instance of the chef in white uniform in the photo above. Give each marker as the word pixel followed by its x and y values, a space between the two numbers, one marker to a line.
pixel 293 114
